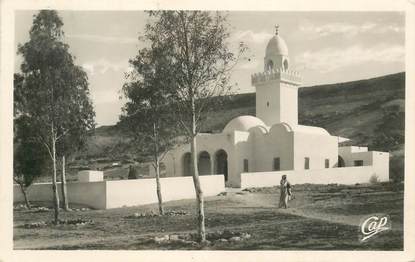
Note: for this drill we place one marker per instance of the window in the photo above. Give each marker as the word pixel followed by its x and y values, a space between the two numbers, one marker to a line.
pixel 270 65
pixel 340 162
pixel 327 163
pixel 267 104
pixel 246 167
pixel 277 164
pixel 307 163
pixel 285 64
pixel 358 163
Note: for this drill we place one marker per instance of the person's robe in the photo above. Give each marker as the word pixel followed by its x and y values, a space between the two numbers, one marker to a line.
pixel 285 188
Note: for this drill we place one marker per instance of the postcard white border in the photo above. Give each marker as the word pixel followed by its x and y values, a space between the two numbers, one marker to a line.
pixel 7 55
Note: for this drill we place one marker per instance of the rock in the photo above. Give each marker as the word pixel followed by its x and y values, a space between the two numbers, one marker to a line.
pixel 223 240
pixel 162 239
pixel 205 242
pixel 35 224
pixel 191 243
pixel 246 236
pixel 227 234
pixel 235 239
pixel 185 237
pixel 214 235
pixel 174 237
pixel 176 213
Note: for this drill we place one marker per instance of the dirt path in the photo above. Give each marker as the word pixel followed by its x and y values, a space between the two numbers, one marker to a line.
pixel 298 207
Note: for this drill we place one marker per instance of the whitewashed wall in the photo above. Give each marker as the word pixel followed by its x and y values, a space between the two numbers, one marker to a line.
pixel 143 191
pixel 92 194
pixel 112 194
pixel 345 175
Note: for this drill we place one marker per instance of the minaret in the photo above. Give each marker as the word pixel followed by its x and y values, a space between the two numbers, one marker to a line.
pixel 277 87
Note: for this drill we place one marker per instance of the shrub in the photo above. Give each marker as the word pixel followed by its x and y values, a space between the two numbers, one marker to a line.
pixel 374 179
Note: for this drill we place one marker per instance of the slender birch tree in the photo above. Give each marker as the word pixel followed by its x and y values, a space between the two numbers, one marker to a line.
pixel 54 92
pixel 196 49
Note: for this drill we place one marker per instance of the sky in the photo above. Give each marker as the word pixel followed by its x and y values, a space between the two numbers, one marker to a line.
pixel 324 47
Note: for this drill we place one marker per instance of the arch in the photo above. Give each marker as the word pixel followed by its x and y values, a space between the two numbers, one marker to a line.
pixel 285 64
pixel 187 164
pixel 204 163
pixel 221 163
pixel 340 162
pixel 270 65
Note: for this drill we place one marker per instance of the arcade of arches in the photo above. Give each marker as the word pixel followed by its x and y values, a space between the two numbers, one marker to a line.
pixel 206 164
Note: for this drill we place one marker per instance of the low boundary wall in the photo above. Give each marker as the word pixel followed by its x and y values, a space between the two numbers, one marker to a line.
pixel 143 191
pixel 113 194
pixel 343 175
pixel 92 194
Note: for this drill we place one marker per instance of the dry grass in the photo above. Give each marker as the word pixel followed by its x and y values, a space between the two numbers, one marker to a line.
pixel 321 217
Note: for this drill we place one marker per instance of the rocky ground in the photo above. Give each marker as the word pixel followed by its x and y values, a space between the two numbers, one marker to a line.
pixel 320 217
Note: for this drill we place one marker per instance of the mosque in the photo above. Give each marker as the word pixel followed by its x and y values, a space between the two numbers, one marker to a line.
pixel 272 140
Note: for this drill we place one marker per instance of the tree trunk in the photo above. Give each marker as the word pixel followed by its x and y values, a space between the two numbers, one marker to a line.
pixel 196 181
pixel 159 196
pixel 157 160
pixel 63 187
pixel 54 184
pixel 26 199
pixel 199 193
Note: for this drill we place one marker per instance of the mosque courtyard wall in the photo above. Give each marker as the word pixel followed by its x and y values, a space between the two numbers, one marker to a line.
pixel 120 193
pixel 344 175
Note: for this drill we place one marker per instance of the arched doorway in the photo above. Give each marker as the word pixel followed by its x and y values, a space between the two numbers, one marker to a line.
pixel 221 160
pixel 187 164
pixel 340 162
pixel 204 164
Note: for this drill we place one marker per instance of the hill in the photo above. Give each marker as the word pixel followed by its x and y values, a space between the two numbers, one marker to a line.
pixel 369 112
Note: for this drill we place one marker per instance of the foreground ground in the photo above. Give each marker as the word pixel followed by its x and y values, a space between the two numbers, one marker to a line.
pixel 321 217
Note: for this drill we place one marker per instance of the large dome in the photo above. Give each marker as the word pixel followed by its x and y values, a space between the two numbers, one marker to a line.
pixel 276 46
pixel 243 123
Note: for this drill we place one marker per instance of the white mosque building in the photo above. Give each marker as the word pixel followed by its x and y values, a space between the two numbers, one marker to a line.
pixel 272 140
pixel 251 151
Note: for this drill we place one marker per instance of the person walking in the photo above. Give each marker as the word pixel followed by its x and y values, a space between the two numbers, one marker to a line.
pixel 285 188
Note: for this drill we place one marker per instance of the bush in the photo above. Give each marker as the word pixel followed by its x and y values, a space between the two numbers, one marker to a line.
pixel 374 179
pixel 397 168
pixel 132 172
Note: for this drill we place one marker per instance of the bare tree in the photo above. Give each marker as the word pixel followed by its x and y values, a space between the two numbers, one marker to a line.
pixel 147 114
pixel 199 59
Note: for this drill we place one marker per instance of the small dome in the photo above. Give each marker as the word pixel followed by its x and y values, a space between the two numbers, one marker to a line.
pixel 300 129
pixel 311 130
pixel 243 123
pixel 276 46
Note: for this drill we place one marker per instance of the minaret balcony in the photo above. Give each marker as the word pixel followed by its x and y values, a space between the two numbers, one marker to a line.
pixel 288 76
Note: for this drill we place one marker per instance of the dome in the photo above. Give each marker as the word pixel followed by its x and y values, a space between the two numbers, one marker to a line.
pixel 243 123
pixel 276 46
pixel 300 129
pixel 311 130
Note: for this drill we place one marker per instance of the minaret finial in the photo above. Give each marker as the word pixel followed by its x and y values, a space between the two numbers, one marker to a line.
pixel 277 26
